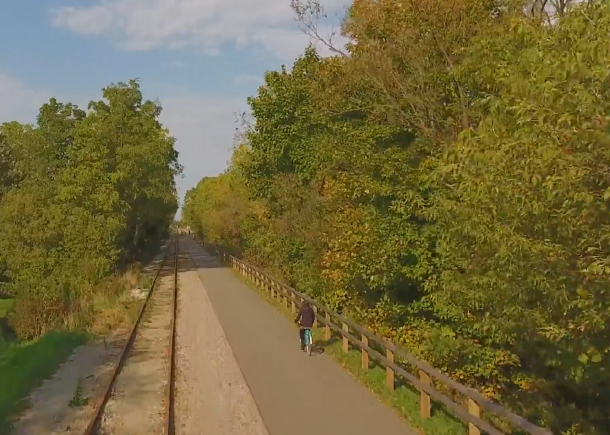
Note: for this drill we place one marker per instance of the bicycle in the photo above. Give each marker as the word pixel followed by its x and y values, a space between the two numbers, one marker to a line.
pixel 307 340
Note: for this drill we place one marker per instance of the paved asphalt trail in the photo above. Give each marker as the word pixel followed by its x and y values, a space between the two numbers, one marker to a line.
pixel 296 394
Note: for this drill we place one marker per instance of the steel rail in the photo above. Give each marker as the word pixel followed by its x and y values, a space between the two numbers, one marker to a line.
pixel 168 429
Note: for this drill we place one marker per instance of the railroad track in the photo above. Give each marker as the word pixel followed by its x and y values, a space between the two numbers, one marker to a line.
pixel 168 266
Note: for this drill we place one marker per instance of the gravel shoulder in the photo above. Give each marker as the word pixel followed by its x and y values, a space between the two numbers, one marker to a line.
pixel 211 391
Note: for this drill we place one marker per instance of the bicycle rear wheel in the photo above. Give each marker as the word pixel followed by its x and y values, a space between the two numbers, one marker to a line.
pixel 308 341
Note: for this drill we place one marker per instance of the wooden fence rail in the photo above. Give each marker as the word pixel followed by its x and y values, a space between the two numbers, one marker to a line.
pixel 332 321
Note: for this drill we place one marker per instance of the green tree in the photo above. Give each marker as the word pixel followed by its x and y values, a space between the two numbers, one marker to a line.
pixel 445 184
pixel 85 192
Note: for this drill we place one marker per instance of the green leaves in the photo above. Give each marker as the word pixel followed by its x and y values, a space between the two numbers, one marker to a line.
pixel 447 185
pixel 84 191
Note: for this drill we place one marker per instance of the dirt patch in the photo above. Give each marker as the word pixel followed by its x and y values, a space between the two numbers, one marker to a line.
pixel 211 391
pixel 89 368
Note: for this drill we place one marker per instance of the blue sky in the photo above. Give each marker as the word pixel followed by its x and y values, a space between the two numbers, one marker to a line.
pixel 201 58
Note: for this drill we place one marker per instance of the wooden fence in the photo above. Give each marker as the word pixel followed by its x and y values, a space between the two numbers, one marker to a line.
pixel 354 334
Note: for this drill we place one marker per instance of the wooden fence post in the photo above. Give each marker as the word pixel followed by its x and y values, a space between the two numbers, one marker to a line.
pixel 345 340
pixel 389 372
pixel 424 401
pixel 327 328
pixel 294 307
pixel 315 317
pixel 365 354
pixel 473 409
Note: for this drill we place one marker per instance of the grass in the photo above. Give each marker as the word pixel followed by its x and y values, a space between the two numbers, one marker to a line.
pixel 78 400
pixel 404 399
pixel 24 366
pixel 5 306
pixel 111 307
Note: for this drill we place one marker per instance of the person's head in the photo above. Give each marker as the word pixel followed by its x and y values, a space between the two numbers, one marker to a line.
pixel 305 304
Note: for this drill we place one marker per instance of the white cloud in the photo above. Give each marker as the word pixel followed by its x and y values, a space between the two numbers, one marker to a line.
pixel 18 102
pixel 204 24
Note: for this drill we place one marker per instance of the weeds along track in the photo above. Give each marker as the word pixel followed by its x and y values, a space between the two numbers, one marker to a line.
pixel 139 398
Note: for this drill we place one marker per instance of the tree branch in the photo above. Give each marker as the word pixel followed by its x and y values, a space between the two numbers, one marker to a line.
pixel 308 14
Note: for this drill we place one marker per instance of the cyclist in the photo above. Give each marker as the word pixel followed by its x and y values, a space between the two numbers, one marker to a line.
pixel 305 319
